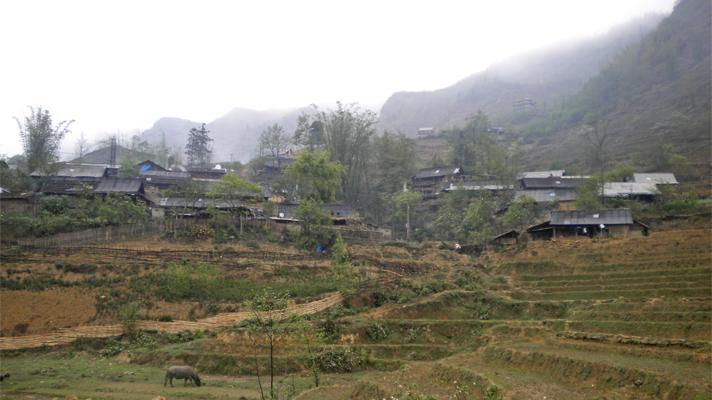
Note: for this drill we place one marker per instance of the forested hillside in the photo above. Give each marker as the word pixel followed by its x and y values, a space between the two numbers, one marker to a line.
pixel 654 93
pixel 649 94
pixel 544 76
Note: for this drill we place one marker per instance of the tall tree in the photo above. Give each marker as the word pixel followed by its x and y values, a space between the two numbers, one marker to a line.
pixel 391 165
pixel 274 141
pixel 198 149
pixel 347 133
pixel 407 200
pixel 479 153
pixel 41 139
pixel 314 176
pixel 309 132
pixel 597 140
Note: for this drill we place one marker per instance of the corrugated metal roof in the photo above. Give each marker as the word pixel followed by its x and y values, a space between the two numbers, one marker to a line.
pixel 67 170
pixel 201 203
pixel 475 186
pixel 619 216
pixel 552 182
pixel 547 195
pixel 333 210
pixel 437 172
pixel 164 177
pixel 543 174
pixel 626 189
pixel 659 178
pixel 119 185
pixel 65 185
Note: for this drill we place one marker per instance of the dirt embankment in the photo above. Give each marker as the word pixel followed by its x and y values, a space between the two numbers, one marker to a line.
pixel 23 312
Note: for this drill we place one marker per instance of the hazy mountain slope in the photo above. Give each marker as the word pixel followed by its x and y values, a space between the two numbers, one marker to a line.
pixel 544 76
pixel 654 92
pixel 235 134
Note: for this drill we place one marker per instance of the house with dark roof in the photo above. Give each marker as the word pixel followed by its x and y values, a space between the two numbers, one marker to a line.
pixel 211 174
pixel 659 178
pixel 543 174
pixel 164 179
pixel 582 223
pixel 643 191
pixel 84 172
pixel 196 207
pixel 551 182
pixel 130 187
pixel 566 198
pixel 340 214
pixel 68 186
pixel 431 181
pixel 479 186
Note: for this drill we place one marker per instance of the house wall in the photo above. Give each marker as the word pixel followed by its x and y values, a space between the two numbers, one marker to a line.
pixel 567 205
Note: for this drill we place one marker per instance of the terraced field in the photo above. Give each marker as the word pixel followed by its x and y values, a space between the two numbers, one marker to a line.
pixel 613 319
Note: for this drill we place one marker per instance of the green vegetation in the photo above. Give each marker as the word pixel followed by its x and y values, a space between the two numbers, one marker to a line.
pixel 41 139
pixel 204 282
pixel 313 176
pixel 64 214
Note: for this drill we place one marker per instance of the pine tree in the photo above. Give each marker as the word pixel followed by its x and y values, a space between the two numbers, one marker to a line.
pixel 198 148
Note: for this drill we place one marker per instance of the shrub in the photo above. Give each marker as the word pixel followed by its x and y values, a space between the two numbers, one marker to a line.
pixel 339 252
pixel 468 280
pixel 128 316
pixel 201 231
pixel 339 360
pixel 114 347
pixel 377 332
pixel 329 330
pixel 493 393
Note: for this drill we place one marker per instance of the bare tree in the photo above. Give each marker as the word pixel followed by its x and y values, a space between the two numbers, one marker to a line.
pixel 82 146
pixel 275 141
pixel 597 139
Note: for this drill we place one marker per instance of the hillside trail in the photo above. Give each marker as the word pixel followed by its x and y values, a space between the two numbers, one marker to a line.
pixel 69 335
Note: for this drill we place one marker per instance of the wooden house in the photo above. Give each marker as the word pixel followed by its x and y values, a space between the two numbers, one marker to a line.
pixel 431 181
pixel 598 223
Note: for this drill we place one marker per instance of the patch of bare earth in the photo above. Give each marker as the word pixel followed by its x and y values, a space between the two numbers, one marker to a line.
pixel 27 312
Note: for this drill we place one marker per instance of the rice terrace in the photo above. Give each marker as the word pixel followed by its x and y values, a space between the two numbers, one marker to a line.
pixel 518 207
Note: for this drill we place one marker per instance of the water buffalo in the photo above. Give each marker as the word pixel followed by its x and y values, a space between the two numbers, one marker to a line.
pixel 181 372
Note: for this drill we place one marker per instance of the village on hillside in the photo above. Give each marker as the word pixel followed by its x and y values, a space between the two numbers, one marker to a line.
pixel 518 206
pixel 196 193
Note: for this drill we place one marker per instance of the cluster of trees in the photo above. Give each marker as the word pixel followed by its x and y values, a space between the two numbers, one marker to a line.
pixel 58 214
pixel 479 153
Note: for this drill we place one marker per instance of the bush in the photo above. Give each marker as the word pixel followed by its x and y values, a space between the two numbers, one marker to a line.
pixel 339 360
pixel 339 252
pixel 493 393
pixel 377 332
pixel 128 315
pixel 329 330
pixel 201 231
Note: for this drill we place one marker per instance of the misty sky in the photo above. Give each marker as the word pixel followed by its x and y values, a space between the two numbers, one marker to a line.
pixel 120 65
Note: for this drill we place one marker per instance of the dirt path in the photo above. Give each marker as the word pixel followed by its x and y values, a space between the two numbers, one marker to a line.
pixel 69 335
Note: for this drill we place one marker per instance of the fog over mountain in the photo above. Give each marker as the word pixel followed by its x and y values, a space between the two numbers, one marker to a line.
pixel 235 135
pixel 545 76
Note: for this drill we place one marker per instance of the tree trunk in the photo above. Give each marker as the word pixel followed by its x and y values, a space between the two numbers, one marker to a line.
pixel 407 223
pixel 271 367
